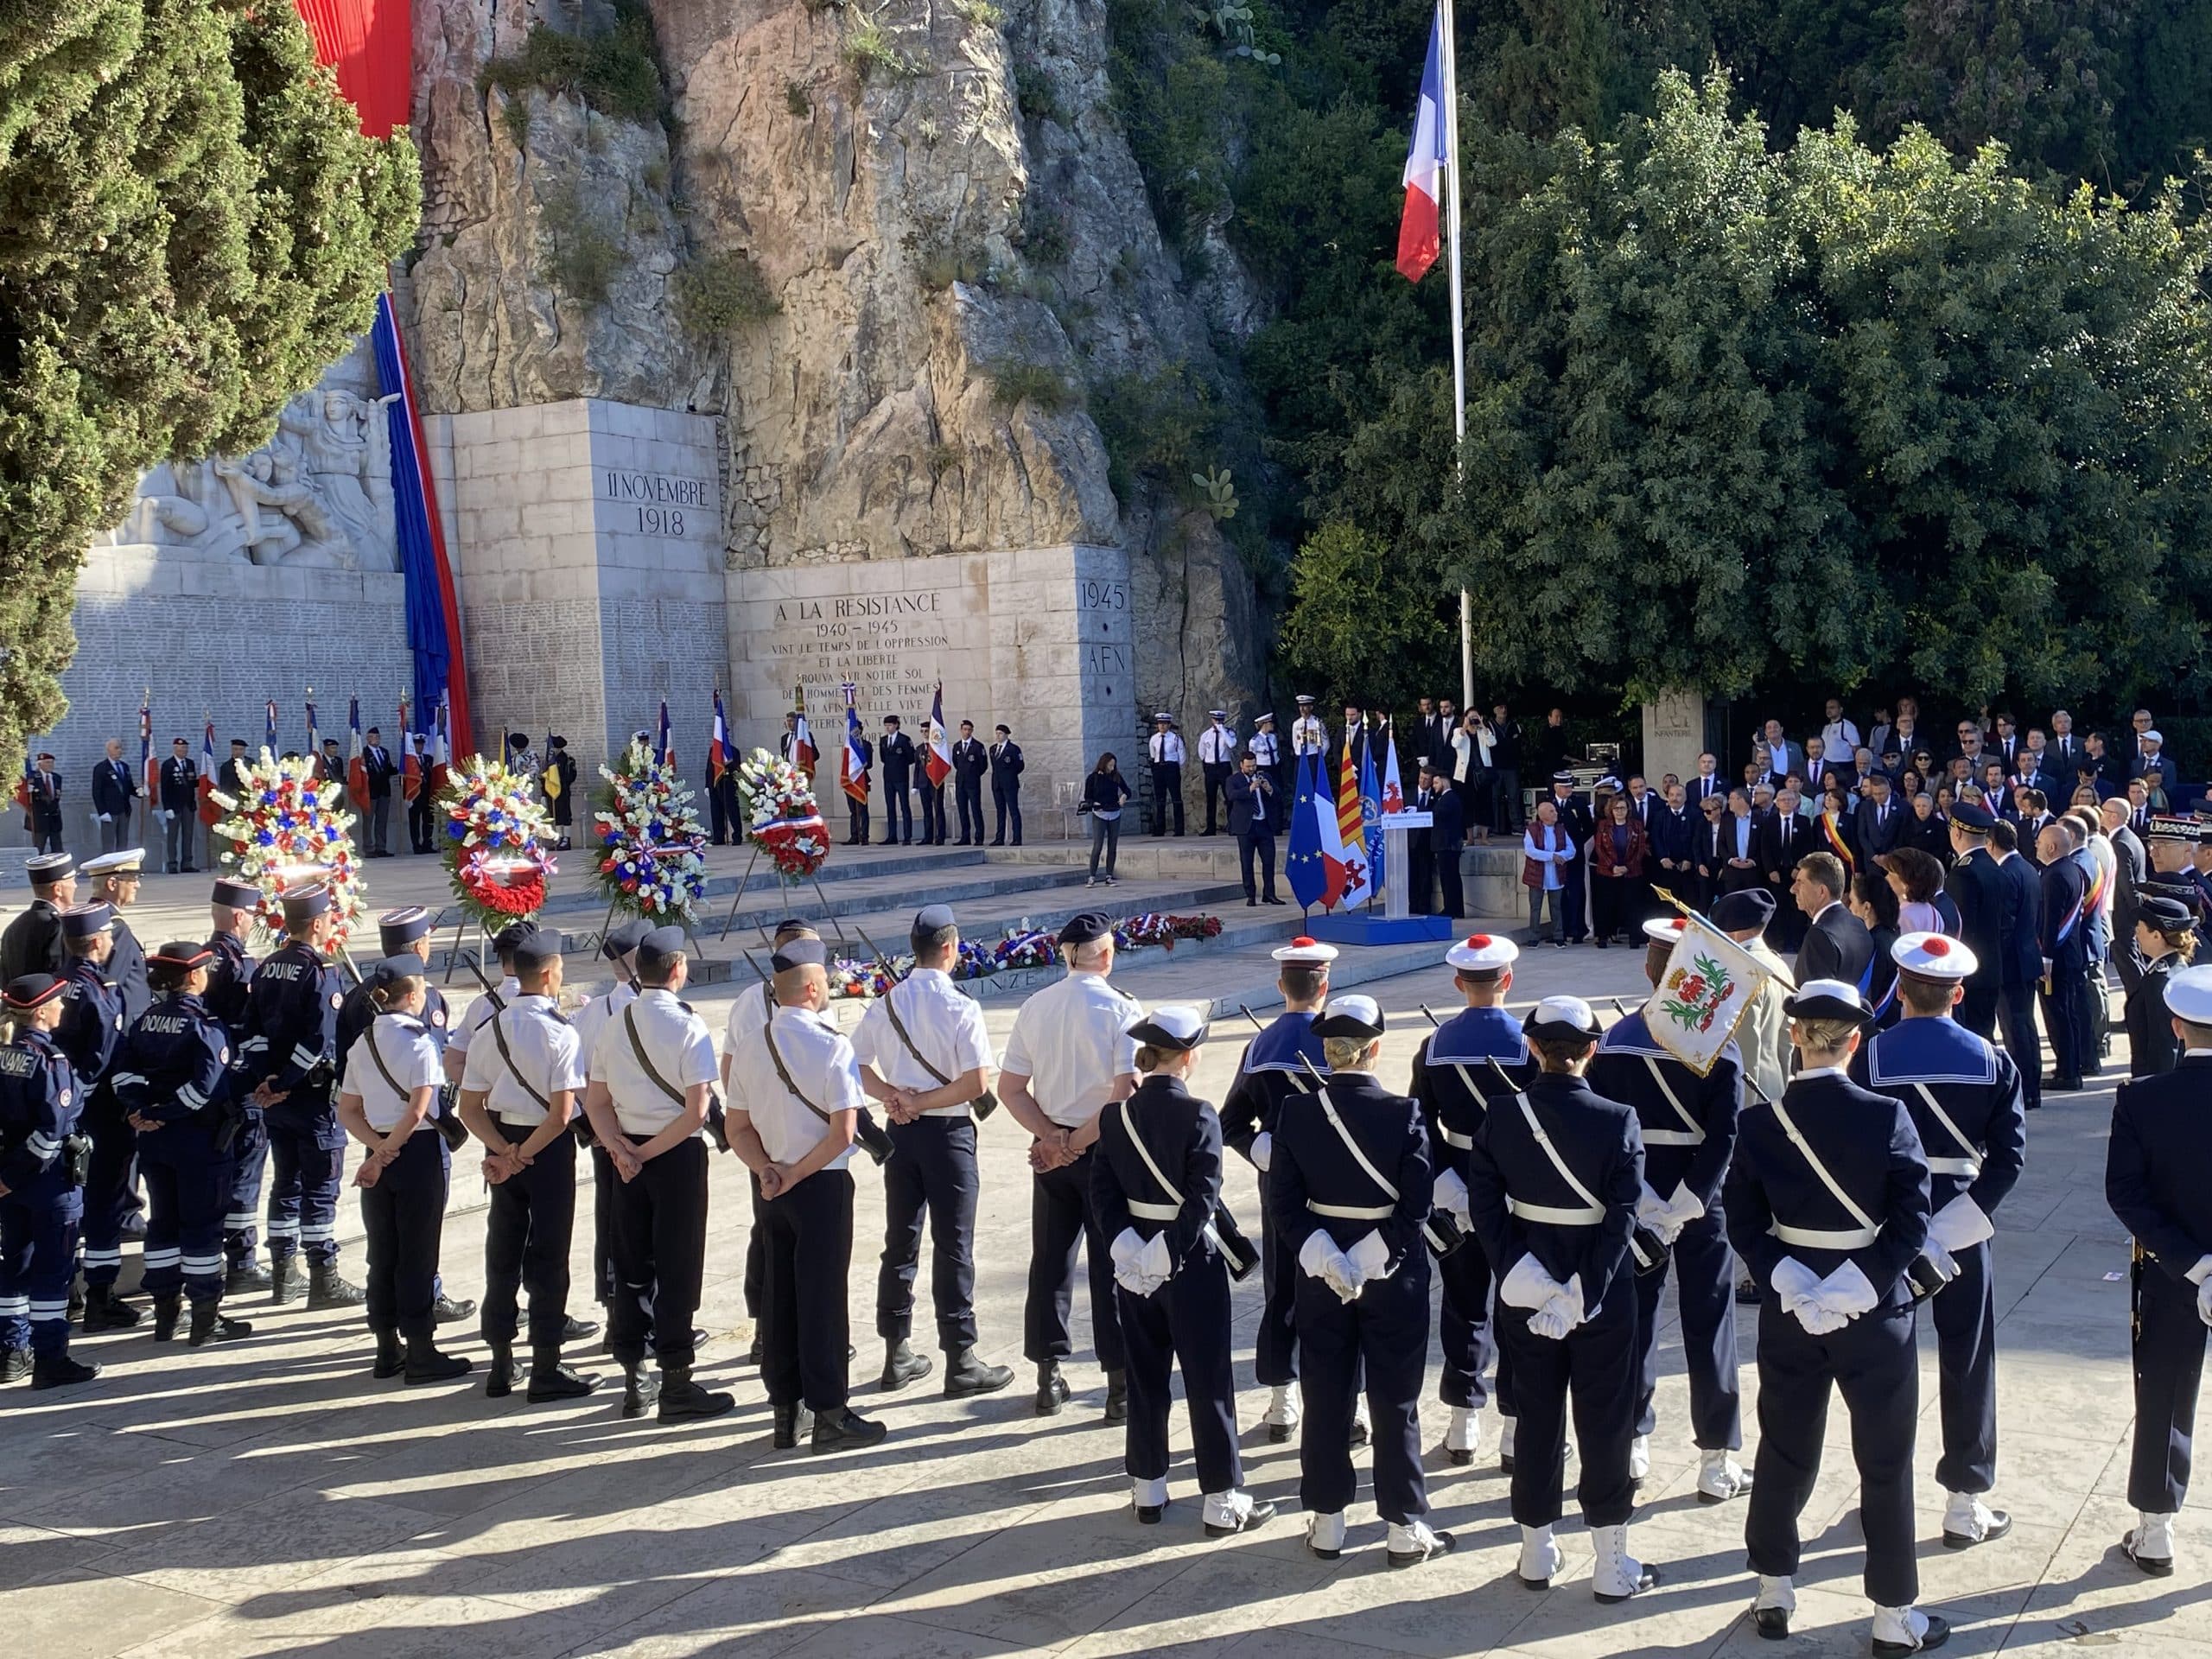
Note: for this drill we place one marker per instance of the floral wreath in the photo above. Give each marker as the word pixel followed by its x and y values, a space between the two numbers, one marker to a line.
pixel 288 831
pixel 781 818
pixel 498 842
pixel 1020 946
pixel 652 857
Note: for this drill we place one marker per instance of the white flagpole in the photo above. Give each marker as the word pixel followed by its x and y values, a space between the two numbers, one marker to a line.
pixel 1458 325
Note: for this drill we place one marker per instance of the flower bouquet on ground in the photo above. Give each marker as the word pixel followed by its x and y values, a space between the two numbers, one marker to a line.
pixel 1026 948
pixel 1152 927
pixel 288 831
pixel 499 841
pixel 852 976
pixel 781 818
pixel 652 848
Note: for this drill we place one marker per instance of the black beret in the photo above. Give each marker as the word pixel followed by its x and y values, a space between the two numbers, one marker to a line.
pixel 512 934
pixel 392 969
pixel 800 953
pixel 1733 912
pixel 535 949
pixel 1085 928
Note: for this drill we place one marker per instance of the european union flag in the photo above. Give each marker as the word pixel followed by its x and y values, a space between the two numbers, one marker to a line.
pixel 1302 865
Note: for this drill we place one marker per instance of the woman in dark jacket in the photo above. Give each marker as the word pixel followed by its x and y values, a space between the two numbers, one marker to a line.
pixel 2166 937
pixel 1103 791
pixel 1616 854
pixel 1874 902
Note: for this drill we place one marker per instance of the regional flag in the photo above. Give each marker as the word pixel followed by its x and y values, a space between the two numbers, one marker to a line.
pixel 936 761
pixel 357 765
pixel 1709 985
pixel 852 760
pixel 1370 820
pixel 268 731
pixel 1419 239
pixel 718 746
pixel 1349 829
pixel 1393 791
pixel 804 753
pixel 666 747
pixel 209 813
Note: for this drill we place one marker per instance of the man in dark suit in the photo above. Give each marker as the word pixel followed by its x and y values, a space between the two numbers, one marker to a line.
pixel 1881 820
pixel 1675 829
pixel 1446 836
pixel 2131 869
pixel 1505 758
pixel 115 786
pixel 2007 741
pixel 2062 934
pixel 896 750
pixel 380 769
pixel 1711 848
pixel 2019 948
pixel 1708 781
pixel 1421 860
pixel 971 763
pixel 1005 784
pixel 1978 887
pixel 1253 816
pixel 181 801
pixel 2066 752
pixel 1785 837
pixel 1837 945
pixel 1738 865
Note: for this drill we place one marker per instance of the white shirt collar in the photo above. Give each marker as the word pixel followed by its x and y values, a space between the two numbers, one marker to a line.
pixel 1821 1071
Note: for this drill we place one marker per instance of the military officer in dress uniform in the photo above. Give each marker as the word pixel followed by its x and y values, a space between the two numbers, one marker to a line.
pixel 1267 749
pixel 1554 1181
pixel 795 1097
pixel 1156 1185
pixel 1454 1081
pixel 518 1095
pixel 1164 754
pixel 1968 1106
pixel 39 1198
pixel 171 1084
pixel 1279 1063
pixel 900 763
pixel 1308 736
pixel 114 878
pixel 1688 1126
pixel 288 1066
pixel 1349 1179
pixel 924 1052
pixel 1006 766
pixel 1070 1054
pixel 1827 1203
pixel 31 943
pixel 1216 760
pixel 232 908
pixel 620 947
pixel 2154 1179
pixel 91 1030
pixel 652 1074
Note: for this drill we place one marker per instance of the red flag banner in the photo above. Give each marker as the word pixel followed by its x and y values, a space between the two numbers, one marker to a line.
pixel 369 44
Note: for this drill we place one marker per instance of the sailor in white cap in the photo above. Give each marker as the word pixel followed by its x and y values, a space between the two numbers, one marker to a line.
pixel 1164 754
pixel 2160 1146
pixel 1216 759
pixel 1156 1185
pixel 1308 736
pixel 1827 1203
pixel 1349 1178
pixel 1456 1082
pixel 1689 1123
pixel 1967 1103
pixel 1553 1183
pixel 1275 1067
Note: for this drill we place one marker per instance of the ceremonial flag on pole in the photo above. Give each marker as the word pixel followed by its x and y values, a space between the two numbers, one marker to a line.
pixel 852 760
pixel 357 765
pixel 269 732
pixel 314 742
pixel 1350 832
pixel 208 810
pixel 23 783
pixel 1419 227
pixel 1394 791
pixel 666 746
pixel 442 747
pixel 410 763
pixel 718 748
pixel 1710 984
pixel 1370 822
pixel 937 760
pixel 149 773
pixel 1309 875
pixel 803 753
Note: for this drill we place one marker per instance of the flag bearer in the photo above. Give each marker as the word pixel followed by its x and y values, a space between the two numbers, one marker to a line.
pixel 41 1197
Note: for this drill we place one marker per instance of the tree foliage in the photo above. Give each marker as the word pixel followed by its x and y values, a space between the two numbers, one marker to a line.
pixel 191 228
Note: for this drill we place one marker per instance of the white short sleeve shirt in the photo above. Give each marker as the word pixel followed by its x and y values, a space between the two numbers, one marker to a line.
pixel 946 1026
pixel 1072 1040
pixel 405 1045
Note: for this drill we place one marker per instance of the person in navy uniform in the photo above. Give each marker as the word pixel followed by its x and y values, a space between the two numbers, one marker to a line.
pixel 180 801
pixel 1164 757
pixel 1447 834
pixel 231 909
pixel 381 769
pixel 31 943
pixel 1280 1062
pixel 115 789
pixel 1688 1128
pixel 1155 1185
pixel 2019 946
pixel 114 879
pixel 1968 1106
pixel 43 787
pixel 40 1201
pixel 171 1080
pixel 1827 1200
pixel 897 752
pixel 1553 1179
pixel 288 1066
pixel 971 764
pixel 1455 1082
pixel 1349 1178
pixel 2154 1181
pixel 91 1028
pixel 390 1105
pixel 2063 939
pixel 2165 939
pixel 1006 764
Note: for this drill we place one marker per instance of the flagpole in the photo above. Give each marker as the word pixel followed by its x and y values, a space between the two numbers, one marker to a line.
pixel 1451 67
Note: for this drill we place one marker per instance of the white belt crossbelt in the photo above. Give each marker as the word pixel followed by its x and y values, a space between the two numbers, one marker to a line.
pixel 1555 1215
pixel 1672 1138
pixel 1692 1134
pixel 1969 1165
pixel 1966 1167
pixel 1350 1211
pixel 1825 1238
pixel 1453 1138
pixel 1153 1211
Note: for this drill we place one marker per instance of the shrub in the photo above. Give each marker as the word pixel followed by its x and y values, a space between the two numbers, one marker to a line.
pixel 1034 93
pixel 982 13
pixel 581 258
pixel 1016 383
pixel 797 101
pixel 720 291
pixel 617 73
pixel 870 49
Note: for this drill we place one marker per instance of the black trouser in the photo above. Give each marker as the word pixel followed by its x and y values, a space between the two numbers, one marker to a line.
pixel 1965 1311
pixel 1571 896
pixel 1185 1322
pixel 898 811
pixel 2015 1018
pixel 968 806
pixel 660 1249
pixel 106 1196
pixel 1060 1220
pixel 933 797
pixel 932 1168
pixel 1463 1326
pixel 526 1234
pixel 1448 878
pixel 1977 1011
pixel 1217 779
pixel 1704 1271
pixel 1596 1362
pixel 1167 795
pixel 856 822
pixel 1385 1331
pixel 603 1182
pixel 810 1255
pixel 1505 791
pixel 1612 904
pixel 404 1214
pixel 1007 798
pixel 717 818
pixel 1256 845
pixel 1275 1344
pixel 2169 1355
pixel 1872 1362
pixel 756 1259
pixel 2065 1017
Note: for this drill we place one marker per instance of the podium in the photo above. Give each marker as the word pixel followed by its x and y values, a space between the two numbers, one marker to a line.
pixel 1395 924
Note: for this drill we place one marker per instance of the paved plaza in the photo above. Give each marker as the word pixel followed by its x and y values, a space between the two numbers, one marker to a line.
pixel 269 1498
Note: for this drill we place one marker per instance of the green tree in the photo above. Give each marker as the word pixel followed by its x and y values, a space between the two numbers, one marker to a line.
pixel 191 227
pixel 1365 620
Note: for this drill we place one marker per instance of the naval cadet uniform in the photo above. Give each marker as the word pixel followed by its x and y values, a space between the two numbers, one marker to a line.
pixel 1970 1111
pixel 403 1211
pixel 40 1103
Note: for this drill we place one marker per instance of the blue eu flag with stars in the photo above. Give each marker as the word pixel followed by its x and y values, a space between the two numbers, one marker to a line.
pixel 1308 875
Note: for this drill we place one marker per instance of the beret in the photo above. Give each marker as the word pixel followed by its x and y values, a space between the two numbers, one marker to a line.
pixel 1085 928
pixel 535 949
pixel 1733 912
pixel 623 938
pixel 800 953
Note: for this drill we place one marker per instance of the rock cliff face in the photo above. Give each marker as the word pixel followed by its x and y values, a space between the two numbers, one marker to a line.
pixel 957 270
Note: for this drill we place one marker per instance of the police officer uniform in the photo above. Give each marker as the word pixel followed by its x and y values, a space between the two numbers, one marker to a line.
pixel 1350 1179
pixel 1687 1124
pixel 1164 754
pixel 1216 760
pixel 1266 749
pixel 91 1027
pixel 173 1071
pixel 126 963
pixel 645 1063
pixel 1826 1201
pixel 403 1208
pixel 524 1061
pixel 291 1047
pixel 920 1036
pixel 229 976
pixel 1968 1106
pixel 40 1102
pixel 1071 1044
pixel 1454 1080
pixel 1276 1066
pixel 617 947
pixel 1554 1181
pixel 2160 1146
pixel 1156 1185
pixel 31 942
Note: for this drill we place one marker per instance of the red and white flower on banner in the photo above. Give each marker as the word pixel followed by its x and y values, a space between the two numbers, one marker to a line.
pixel 288 831
pixel 781 818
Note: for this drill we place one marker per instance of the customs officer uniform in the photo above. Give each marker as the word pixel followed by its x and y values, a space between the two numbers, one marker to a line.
pixel 230 974
pixel 1687 1123
pixel 1969 1110
pixel 1216 760
pixel 173 1070
pixel 1164 754
pixel 40 1167
pixel 1156 1187
pixel 896 750
pixel 31 942
pixel 92 1028
pixel 1553 1181
pixel 126 963
pixel 1350 1179
pixel 1006 766
pixel 2152 1047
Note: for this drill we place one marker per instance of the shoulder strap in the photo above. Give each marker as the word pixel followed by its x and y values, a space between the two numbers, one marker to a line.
pixel 637 1048
pixel 1536 1127
pixel 1667 1089
pixel 1805 1149
pixel 783 1072
pixel 383 1071
pixel 1329 1111
pixel 500 1036
pixel 891 1013
pixel 1129 1128
pixel 1928 1098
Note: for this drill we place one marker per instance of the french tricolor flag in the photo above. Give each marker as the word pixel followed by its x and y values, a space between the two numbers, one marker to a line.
pixel 1420 229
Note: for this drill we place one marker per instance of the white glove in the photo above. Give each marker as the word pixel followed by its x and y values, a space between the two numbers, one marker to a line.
pixel 1848 1292
pixel 1945 1263
pixel 1450 1192
pixel 1561 1313
pixel 104 818
pixel 1527 1285
pixel 1129 1253
pixel 1683 1209
pixel 1818 1320
pixel 1263 1151
pixel 1651 1211
pixel 1371 1258
pixel 1798 1290
pixel 1156 1263
pixel 2204 1301
pixel 1319 1258
pixel 1958 1225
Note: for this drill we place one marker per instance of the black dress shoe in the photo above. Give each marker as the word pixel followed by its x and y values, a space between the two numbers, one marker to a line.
pixel 1275 901
pixel 1938 1632
pixel 578 1330
pixel 1772 1623
pixel 61 1371
pixel 2001 1522
pixel 844 1430
pixel 447 1311
pixel 682 1401
pixel 558 1381
pixel 1260 1514
pixel 1148 1515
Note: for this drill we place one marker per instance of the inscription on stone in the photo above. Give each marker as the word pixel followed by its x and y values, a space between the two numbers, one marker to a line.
pixel 664 503
pixel 869 638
